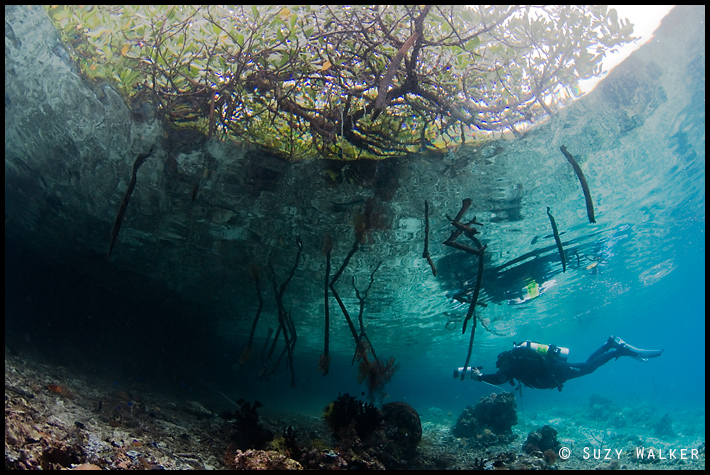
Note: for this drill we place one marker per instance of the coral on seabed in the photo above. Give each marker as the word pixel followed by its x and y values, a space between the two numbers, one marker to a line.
pixel 249 432
pixel 403 429
pixel 602 408
pixel 550 456
pixel 349 412
pixel 323 460
pixel 664 427
pixel 541 440
pixel 369 437
pixel 263 460
pixel 490 422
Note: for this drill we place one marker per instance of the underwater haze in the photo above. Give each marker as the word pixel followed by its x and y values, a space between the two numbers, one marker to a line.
pixel 637 273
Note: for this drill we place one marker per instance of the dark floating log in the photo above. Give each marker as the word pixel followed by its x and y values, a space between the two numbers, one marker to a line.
pixel 463 247
pixel 557 240
pixel 466 228
pixel 465 205
pixel 582 181
pixel 140 159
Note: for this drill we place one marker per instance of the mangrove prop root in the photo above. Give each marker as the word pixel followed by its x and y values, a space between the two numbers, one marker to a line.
pixel 363 348
pixel 272 348
pixel 140 159
pixel 352 252
pixel 281 312
pixel 296 262
pixel 324 364
pixel 557 240
pixel 335 278
pixel 285 321
pixel 345 314
pixel 246 354
pixel 287 316
pixel 470 350
pixel 425 254
pixel 324 361
pixel 377 374
pixel 266 344
pixel 476 289
pixel 362 298
pixel 582 181
pixel 478 251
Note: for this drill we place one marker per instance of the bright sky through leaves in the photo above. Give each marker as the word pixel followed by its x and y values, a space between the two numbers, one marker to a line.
pixel 646 18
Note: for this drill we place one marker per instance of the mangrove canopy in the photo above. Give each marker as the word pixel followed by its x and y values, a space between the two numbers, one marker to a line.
pixel 344 82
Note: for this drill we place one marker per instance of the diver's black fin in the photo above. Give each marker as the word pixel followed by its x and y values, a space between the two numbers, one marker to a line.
pixel 632 351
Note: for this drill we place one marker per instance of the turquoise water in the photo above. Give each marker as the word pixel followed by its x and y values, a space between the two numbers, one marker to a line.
pixel 648 288
pixel 637 273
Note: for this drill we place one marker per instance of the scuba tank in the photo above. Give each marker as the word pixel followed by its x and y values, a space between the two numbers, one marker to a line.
pixel 545 350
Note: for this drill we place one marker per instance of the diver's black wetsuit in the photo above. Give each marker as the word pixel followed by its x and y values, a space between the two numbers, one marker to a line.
pixel 547 371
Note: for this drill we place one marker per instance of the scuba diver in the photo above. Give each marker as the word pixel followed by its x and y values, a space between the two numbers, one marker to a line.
pixel 546 367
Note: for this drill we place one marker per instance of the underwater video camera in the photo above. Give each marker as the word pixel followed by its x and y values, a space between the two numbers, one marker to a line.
pixel 545 350
pixel 465 371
